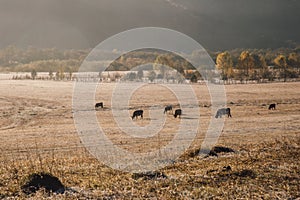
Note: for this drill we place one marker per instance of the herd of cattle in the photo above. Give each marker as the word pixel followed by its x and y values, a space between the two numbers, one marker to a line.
pixel 178 112
pixel 138 113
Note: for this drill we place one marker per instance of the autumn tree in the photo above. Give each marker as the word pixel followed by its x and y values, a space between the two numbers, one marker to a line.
pixel 61 73
pixel 51 74
pixel 280 61
pixel 159 64
pixel 264 70
pixel 131 76
pixel 179 77
pixel 140 74
pixel 152 75
pixel 246 63
pixel 224 64
pixel 294 61
pixel 260 68
pixel 33 74
pixel 57 75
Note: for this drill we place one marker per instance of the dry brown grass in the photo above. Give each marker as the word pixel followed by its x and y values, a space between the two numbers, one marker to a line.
pixel 38 135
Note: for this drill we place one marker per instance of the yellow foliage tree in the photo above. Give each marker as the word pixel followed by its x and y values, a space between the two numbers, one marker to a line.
pixel 246 63
pixel 224 64
pixel 280 61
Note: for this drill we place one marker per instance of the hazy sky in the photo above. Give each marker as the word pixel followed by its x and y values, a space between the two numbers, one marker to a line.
pixel 216 24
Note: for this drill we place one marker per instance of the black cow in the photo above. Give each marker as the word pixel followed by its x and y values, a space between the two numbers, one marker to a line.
pixel 178 112
pixel 137 113
pixel 223 111
pixel 97 105
pixel 168 108
pixel 272 106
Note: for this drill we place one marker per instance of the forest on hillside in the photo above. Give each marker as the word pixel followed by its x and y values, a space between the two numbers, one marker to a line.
pixel 236 64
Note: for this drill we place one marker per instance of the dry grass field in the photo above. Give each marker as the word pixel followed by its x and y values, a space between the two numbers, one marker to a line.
pixel 38 135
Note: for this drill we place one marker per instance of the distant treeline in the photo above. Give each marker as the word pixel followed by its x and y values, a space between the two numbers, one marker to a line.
pixel 13 59
pixel 237 64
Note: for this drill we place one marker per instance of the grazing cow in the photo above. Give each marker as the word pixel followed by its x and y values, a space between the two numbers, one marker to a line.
pixel 97 105
pixel 178 112
pixel 272 106
pixel 168 108
pixel 137 113
pixel 223 111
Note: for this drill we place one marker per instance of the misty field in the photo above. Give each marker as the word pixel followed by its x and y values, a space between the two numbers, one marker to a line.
pixel 38 135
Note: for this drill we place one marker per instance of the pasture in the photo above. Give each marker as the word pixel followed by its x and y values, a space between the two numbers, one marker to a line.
pixel 38 135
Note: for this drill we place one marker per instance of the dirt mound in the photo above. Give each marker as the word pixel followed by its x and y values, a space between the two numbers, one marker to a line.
pixel 36 181
pixel 149 175
pixel 246 173
pixel 220 149
pixel 227 173
pixel 213 152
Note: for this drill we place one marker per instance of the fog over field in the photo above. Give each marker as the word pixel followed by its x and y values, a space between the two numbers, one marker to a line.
pixel 216 24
